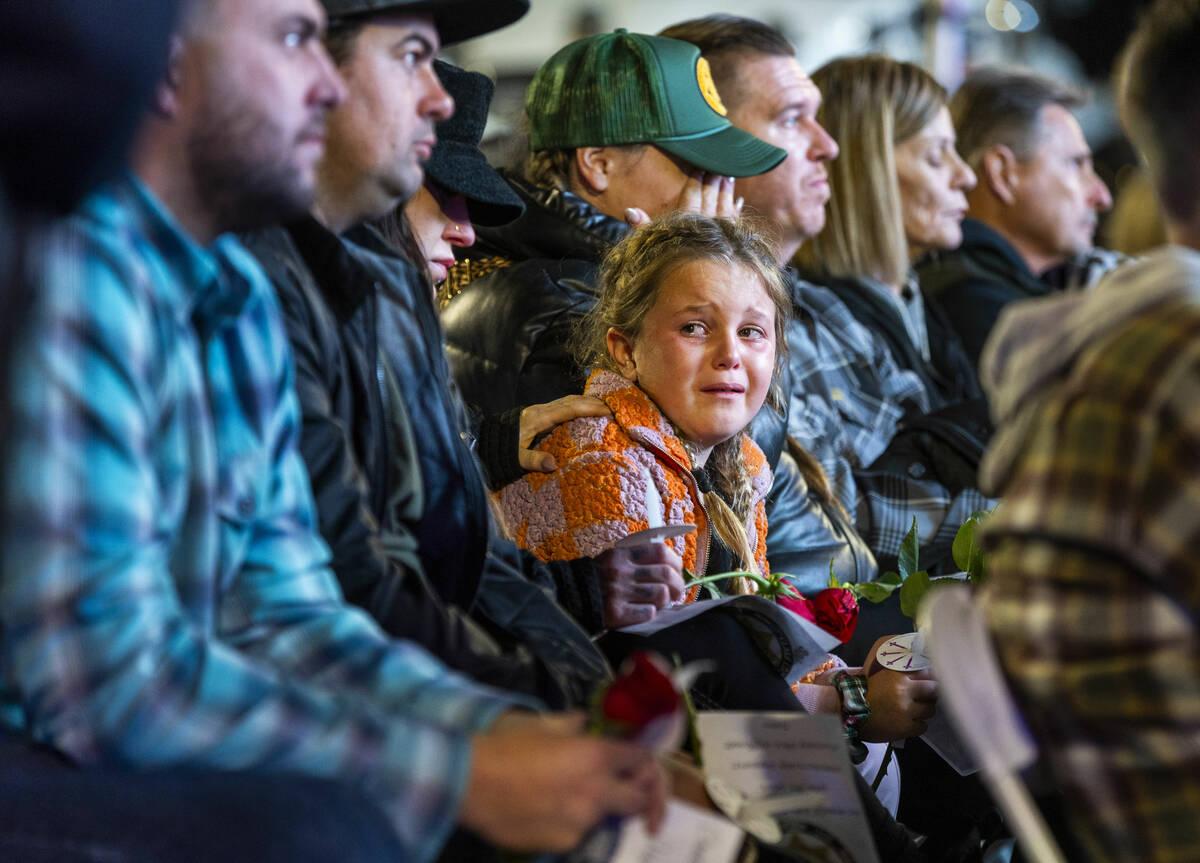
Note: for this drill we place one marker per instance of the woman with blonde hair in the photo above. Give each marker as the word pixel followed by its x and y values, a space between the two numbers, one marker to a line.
pixel 897 191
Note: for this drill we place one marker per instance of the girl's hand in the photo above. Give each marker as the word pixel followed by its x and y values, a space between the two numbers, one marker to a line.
pixel 637 582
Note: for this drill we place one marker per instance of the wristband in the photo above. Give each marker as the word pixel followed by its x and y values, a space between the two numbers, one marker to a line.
pixel 852 691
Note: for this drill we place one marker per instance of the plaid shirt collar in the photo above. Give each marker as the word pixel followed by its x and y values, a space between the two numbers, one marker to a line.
pixel 205 290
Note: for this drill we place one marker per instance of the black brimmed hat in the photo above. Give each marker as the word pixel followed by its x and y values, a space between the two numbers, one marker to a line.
pixel 456 20
pixel 457 163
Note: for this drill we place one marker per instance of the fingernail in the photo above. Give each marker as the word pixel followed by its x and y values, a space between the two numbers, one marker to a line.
pixel 642 553
pixel 630 214
pixel 738 204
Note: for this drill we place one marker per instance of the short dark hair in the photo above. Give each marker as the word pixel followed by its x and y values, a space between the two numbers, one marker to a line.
pixel 723 38
pixel 340 37
pixel 1159 69
pixel 1003 106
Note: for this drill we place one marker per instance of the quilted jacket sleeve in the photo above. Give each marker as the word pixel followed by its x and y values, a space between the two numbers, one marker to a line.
pixel 603 490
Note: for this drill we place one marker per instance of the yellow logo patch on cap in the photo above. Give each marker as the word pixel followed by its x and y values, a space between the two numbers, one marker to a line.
pixel 708 87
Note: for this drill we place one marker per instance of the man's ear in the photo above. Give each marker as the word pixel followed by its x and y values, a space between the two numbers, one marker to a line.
pixel 620 348
pixel 166 94
pixel 999 170
pixel 594 166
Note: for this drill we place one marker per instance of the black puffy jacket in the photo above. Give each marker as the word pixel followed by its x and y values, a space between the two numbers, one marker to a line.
pixel 399 496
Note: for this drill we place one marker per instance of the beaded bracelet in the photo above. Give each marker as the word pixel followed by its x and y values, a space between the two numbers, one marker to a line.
pixel 852 690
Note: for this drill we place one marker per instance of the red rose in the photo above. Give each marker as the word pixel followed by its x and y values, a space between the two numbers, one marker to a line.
pixel 799 604
pixel 640 694
pixel 836 612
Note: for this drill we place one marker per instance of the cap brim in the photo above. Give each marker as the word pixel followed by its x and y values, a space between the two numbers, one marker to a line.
pixel 456 20
pixel 729 151
pixel 463 169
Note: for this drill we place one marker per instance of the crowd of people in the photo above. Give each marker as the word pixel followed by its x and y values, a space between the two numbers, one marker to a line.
pixel 324 438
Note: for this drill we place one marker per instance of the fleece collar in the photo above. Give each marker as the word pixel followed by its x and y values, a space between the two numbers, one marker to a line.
pixel 1036 343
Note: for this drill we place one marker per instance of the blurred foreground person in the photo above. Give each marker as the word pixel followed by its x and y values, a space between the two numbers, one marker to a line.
pixel 77 77
pixel 1136 224
pixel 1093 590
pixel 76 81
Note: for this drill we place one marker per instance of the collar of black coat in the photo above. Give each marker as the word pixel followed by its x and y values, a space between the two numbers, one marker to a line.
pixel 348 269
pixel 556 224
pixel 981 236
pixel 982 248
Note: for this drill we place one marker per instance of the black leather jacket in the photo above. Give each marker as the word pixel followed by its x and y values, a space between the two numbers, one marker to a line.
pixel 399 496
pixel 805 536
pixel 508 334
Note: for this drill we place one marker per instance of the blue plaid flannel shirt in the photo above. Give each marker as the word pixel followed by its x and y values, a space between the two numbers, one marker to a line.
pixel 165 598
pixel 848 397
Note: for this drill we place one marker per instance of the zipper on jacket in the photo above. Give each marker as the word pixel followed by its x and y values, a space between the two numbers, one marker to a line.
pixel 464 458
pixel 385 412
pixel 708 529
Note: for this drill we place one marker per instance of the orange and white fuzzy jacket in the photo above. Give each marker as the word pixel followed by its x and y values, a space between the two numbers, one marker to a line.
pixel 618 476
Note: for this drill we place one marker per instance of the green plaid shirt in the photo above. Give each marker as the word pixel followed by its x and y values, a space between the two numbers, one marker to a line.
pixel 1094 566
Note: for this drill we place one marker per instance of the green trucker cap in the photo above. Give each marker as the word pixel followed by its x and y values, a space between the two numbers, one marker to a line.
pixel 629 88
